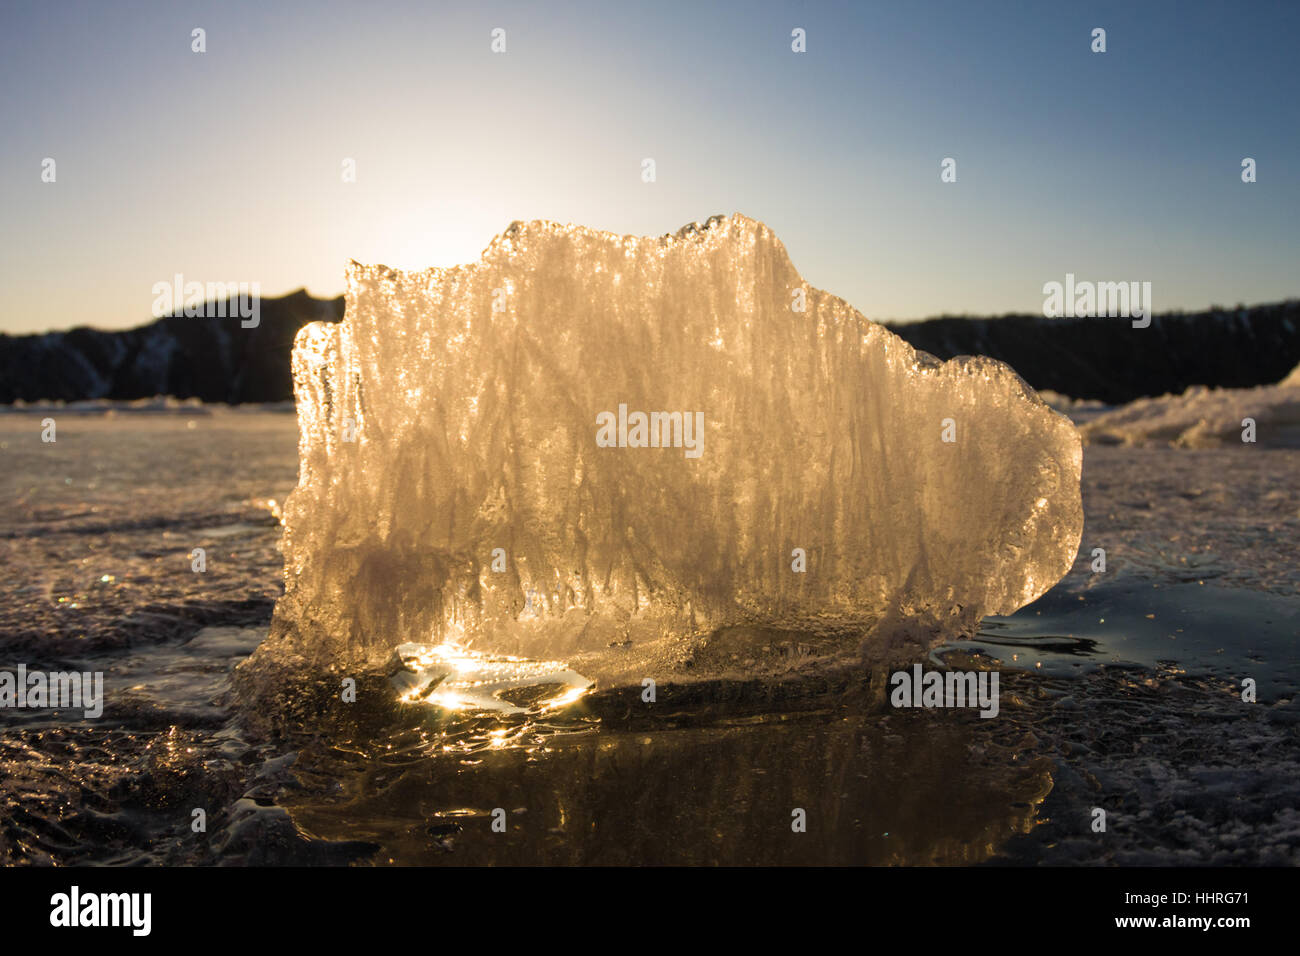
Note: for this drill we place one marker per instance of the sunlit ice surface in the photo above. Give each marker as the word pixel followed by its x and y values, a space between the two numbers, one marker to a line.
pixel 458 679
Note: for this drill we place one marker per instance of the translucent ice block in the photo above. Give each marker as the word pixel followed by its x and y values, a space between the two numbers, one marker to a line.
pixel 474 468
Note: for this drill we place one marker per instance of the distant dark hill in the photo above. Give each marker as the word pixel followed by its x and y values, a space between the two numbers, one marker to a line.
pixel 1108 359
pixel 218 361
pixel 213 359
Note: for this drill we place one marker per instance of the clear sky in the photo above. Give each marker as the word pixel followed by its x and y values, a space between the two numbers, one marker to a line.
pixel 226 165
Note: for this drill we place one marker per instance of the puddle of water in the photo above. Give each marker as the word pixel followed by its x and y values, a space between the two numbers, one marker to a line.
pixel 908 788
pixel 1199 629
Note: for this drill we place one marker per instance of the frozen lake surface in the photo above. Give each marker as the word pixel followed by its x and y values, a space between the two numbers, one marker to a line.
pixel 1120 690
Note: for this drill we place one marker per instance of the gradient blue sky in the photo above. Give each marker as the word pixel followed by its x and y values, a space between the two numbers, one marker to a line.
pixel 225 166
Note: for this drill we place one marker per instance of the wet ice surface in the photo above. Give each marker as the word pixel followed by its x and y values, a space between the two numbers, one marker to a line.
pixel 1150 726
pixel 453 678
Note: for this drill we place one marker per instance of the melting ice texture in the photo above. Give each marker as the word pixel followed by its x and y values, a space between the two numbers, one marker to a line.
pixel 455 412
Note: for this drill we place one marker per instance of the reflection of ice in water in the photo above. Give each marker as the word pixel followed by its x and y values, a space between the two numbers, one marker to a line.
pixel 458 679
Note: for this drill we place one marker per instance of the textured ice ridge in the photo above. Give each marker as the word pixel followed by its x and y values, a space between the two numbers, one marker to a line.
pixel 474 470
pixel 1205 417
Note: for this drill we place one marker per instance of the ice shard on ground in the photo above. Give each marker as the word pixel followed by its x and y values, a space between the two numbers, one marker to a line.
pixel 587 439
